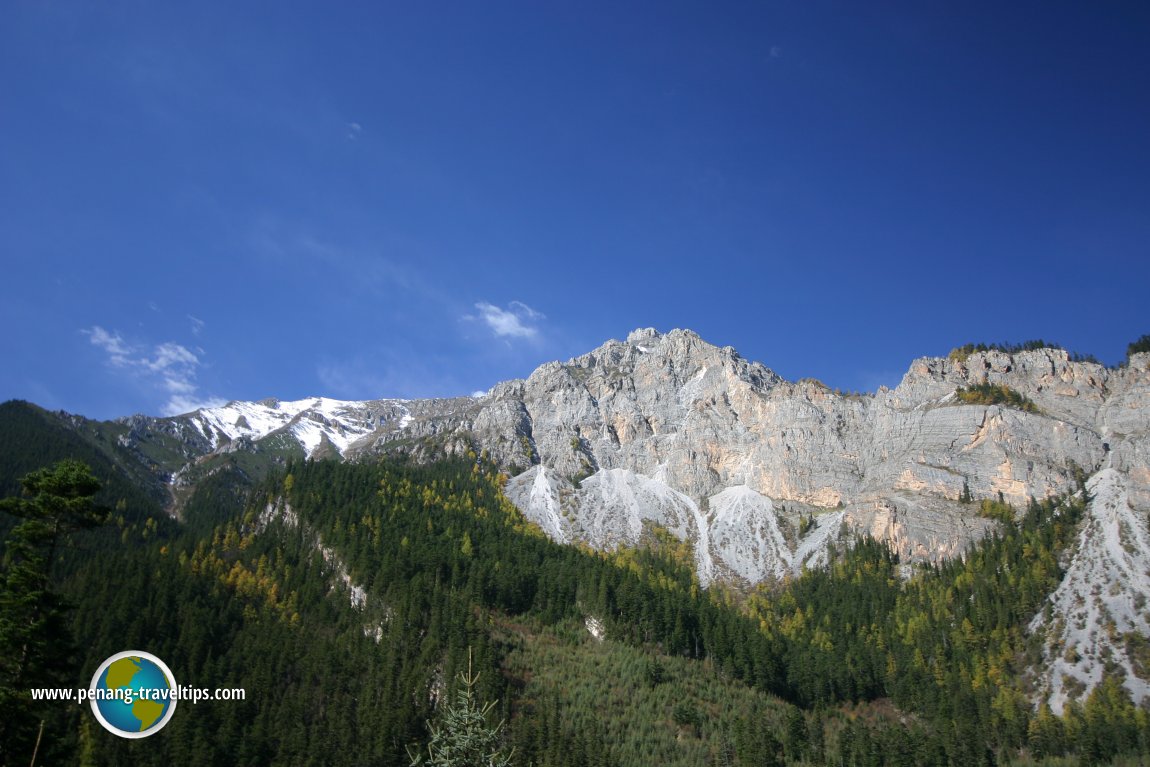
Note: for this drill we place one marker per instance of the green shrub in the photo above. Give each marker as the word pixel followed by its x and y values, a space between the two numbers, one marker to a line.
pixel 1135 347
pixel 961 353
pixel 995 394
pixel 998 510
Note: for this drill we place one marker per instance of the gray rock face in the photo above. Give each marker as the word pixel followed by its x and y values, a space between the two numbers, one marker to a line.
pixel 761 474
pixel 666 428
pixel 661 428
pixel 699 420
pixel 1098 619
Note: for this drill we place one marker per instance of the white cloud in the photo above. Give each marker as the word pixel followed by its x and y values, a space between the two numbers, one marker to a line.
pixel 512 322
pixel 526 310
pixel 776 52
pixel 169 367
pixel 197 324
pixel 112 343
pixel 171 357
pixel 353 130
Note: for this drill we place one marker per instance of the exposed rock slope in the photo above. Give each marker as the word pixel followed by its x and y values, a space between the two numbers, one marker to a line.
pixel 664 427
pixel 670 429
pixel 761 474
pixel 1099 621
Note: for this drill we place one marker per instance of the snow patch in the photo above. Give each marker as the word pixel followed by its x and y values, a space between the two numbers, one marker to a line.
pixel 693 389
pixel 308 421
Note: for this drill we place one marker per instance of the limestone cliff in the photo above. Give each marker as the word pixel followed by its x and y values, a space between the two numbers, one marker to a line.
pixel 761 474
pixel 663 427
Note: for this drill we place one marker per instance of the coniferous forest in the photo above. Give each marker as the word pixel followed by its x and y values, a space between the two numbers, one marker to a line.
pixel 371 609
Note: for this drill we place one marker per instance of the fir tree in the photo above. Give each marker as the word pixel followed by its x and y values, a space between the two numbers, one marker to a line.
pixel 463 738
pixel 35 643
pixel 1139 346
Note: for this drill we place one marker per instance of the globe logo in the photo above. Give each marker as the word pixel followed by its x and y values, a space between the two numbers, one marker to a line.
pixel 133 694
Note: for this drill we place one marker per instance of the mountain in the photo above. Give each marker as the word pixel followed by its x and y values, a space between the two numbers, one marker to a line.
pixel 670 429
pixel 760 475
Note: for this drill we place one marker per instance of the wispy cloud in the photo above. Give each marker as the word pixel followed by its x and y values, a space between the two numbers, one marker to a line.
pixel 197 325
pixel 353 131
pixel 526 310
pixel 112 343
pixel 776 52
pixel 169 367
pixel 518 320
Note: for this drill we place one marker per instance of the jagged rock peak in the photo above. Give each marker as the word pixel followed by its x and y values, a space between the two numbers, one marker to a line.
pixel 673 358
pixel 761 476
pixel 638 335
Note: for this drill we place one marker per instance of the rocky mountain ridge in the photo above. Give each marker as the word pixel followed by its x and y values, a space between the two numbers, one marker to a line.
pixel 762 474
pixel 667 424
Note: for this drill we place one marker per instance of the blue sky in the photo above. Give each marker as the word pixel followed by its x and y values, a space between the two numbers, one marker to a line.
pixel 233 200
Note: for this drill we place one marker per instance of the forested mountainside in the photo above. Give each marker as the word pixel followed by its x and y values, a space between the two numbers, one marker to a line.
pixel 346 597
pixel 655 553
pixel 722 451
pixel 759 476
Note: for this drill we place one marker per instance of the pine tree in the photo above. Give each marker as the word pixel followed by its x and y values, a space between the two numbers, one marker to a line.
pixel 1135 347
pixel 35 643
pixel 463 738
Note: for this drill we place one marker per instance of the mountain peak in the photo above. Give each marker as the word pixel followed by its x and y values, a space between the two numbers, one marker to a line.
pixel 758 475
pixel 641 334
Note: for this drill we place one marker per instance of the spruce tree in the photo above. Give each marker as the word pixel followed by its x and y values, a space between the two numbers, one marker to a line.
pixel 463 738
pixel 35 643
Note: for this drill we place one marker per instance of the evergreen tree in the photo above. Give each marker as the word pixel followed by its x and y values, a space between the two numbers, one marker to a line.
pixel 463 738
pixel 1136 347
pixel 35 643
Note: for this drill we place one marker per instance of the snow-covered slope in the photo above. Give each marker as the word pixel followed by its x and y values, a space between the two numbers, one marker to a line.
pixel 311 422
